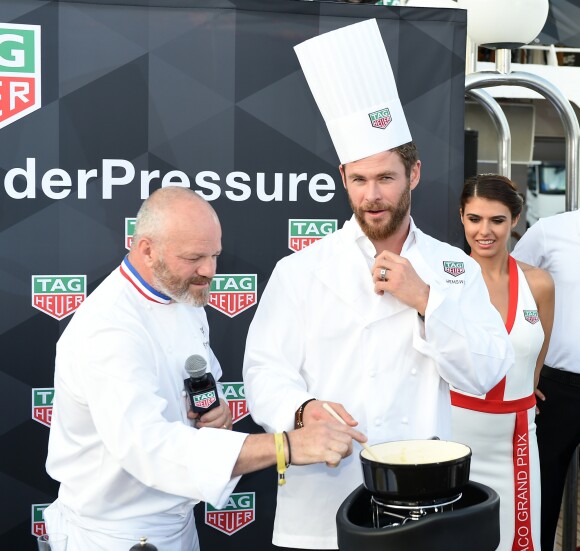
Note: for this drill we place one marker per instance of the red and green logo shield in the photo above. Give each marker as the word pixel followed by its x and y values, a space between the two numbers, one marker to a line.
pixel 302 233
pixel 453 268
pixel 531 316
pixel 42 405
pixel 58 296
pixel 37 516
pixel 231 294
pixel 236 396
pixel 129 232
pixel 238 513
pixel 19 71
pixel 381 118
pixel 205 399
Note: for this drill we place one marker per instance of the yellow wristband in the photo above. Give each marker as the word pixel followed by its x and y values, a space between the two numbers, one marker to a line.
pixel 280 458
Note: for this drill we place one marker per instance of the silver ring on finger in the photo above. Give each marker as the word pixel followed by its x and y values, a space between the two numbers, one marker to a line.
pixel 383 274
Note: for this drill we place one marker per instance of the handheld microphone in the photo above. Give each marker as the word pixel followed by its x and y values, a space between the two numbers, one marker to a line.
pixel 200 386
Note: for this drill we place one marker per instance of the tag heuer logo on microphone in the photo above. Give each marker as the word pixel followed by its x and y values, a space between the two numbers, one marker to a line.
pixel 453 268
pixel 381 118
pixel 129 232
pixel 204 400
pixel 238 513
pixel 37 516
pixel 58 296
pixel 531 316
pixel 19 71
pixel 302 233
pixel 231 294
pixel 235 394
pixel 42 405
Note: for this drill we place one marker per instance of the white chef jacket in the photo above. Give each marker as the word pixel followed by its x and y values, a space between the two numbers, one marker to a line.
pixel 120 442
pixel 553 243
pixel 320 331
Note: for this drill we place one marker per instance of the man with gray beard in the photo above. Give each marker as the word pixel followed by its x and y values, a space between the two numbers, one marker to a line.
pixel 131 458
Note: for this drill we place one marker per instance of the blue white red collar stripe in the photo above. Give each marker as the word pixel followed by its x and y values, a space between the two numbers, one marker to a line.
pixel 132 275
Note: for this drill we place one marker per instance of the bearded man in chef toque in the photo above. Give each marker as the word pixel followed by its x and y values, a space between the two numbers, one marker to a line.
pixel 378 318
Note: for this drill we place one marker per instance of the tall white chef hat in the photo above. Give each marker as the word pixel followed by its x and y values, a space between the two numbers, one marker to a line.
pixel 350 76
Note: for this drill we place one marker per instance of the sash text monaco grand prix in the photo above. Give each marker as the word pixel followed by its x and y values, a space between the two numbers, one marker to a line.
pixel 56 183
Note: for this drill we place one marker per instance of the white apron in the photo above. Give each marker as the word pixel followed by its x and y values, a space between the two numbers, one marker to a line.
pixel 167 533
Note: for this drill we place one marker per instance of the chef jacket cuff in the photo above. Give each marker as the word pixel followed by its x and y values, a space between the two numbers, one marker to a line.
pixel 436 298
pixel 221 449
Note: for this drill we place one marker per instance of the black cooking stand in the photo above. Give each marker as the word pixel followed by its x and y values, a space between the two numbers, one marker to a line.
pixel 466 522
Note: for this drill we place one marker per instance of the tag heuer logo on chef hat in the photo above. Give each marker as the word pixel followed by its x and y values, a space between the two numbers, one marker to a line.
pixel 381 118
pixel 350 76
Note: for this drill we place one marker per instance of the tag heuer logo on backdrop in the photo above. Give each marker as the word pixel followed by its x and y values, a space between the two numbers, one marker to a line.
pixel 58 296
pixel 531 316
pixel 42 405
pixel 381 118
pixel 19 71
pixel 453 268
pixel 129 232
pixel 231 294
pixel 235 394
pixel 238 513
pixel 302 233
pixel 37 516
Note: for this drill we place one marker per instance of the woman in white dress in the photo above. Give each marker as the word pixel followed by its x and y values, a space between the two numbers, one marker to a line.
pixel 500 426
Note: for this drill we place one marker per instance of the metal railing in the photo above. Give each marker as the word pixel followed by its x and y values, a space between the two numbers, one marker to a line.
pixel 502 127
pixel 504 76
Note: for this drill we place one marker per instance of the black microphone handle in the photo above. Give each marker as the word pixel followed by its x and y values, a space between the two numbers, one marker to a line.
pixel 202 392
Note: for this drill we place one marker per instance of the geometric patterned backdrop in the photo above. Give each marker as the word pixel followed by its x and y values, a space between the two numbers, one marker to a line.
pixel 563 24
pixel 204 94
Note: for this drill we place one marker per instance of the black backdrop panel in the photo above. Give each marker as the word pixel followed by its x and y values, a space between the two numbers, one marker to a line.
pixel 205 94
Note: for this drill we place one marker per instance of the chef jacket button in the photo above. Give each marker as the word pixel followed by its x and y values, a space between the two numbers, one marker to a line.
pixel 405 420
pixel 414 371
pixel 378 422
pixel 372 373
